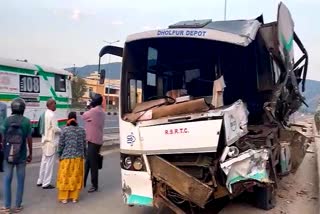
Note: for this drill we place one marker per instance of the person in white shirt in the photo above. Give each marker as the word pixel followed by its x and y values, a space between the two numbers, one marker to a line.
pixel 50 138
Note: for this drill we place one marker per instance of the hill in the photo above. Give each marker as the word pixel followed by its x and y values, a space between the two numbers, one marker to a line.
pixel 84 71
pixel 312 93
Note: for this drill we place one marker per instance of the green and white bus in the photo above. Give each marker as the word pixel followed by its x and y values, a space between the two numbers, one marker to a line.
pixel 35 84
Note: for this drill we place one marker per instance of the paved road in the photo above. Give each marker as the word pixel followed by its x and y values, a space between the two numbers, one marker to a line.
pixel 107 200
pixel 111 123
pixel 297 193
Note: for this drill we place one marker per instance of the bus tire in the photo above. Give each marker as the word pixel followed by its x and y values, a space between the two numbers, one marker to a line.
pixel 265 197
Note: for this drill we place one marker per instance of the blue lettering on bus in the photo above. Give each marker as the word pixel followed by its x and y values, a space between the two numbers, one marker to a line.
pixel 170 32
pixel 194 33
pixel 199 33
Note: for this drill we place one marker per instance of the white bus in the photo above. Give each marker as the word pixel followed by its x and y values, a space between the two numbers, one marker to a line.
pixel 35 84
pixel 204 112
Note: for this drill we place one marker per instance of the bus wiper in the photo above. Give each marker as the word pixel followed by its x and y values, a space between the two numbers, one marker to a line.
pixel 175 119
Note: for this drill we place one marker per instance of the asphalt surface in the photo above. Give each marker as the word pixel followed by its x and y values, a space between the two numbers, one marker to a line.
pixel 111 123
pixel 297 193
pixel 107 200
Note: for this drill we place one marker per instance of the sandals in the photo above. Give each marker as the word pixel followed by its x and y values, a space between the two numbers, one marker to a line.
pixel 17 209
pixel 64 201
pixel 92 189
pixel 5 210
pixel 8 210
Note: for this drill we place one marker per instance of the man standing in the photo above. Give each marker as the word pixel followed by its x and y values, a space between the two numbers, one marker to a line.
pixel 49 145
pixel 16 133
pixel 94 125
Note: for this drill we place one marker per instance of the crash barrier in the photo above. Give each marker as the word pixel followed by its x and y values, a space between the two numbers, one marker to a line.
pixel 108 113
pixel 317 144
pixel 112 113
pixel 111 130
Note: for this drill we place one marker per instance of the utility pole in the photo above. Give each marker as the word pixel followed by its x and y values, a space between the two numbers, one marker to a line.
pixel 108 73
pixel 225 9
pixel 74 69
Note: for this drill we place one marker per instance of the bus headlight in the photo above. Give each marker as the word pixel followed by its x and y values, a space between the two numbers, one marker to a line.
pixel 132 162
pixel 127 163
pixel 138 164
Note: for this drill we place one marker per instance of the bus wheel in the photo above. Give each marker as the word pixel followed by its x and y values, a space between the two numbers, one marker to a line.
pixel 265 197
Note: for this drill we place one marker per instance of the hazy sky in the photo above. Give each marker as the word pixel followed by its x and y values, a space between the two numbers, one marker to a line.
pixel 61 33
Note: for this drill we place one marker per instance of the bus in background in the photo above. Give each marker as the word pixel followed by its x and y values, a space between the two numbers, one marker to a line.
pixel 35 84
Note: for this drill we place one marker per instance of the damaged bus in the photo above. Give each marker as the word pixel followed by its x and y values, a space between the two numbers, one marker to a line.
pixel 204 111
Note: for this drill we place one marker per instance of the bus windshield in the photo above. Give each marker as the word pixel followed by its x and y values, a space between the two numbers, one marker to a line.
pixel 154 67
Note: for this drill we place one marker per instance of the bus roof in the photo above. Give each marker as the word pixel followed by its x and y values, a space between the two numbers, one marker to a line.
pixel 29 66
pixel 239 32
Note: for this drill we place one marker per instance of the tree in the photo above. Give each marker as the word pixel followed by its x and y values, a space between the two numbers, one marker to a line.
pixel 78 86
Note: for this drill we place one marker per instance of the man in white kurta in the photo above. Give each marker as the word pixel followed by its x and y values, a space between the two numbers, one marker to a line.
pixel 50 138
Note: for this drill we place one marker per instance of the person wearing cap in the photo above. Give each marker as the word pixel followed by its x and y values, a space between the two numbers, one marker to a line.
pixel 94 125
pixel 15 128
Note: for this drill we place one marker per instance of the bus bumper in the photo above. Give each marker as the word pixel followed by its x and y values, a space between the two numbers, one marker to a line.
pixel 137 188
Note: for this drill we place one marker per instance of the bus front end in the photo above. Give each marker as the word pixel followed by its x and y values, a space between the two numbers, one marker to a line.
pixel 204 113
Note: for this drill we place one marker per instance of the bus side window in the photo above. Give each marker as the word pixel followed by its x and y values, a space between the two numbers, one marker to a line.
pixel 151 79
pixel 152 58
pixel 60 83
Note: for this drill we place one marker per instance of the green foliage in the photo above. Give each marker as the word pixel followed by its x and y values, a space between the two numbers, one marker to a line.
pixel 78 86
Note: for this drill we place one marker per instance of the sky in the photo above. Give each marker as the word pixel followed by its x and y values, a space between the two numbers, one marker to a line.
pixel 61 33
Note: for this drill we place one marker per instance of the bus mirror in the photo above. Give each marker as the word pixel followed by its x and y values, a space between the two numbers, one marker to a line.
pixel 102 76
pixel 92 94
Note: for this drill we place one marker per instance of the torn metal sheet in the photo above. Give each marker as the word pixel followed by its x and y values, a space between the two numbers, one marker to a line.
pixel 249 165
pixel 140 107
pixel 298 144
pixel 180 181
pixel 193 106
pixel 235 122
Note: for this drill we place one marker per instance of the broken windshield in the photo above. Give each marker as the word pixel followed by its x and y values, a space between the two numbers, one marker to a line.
pixel 176 67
